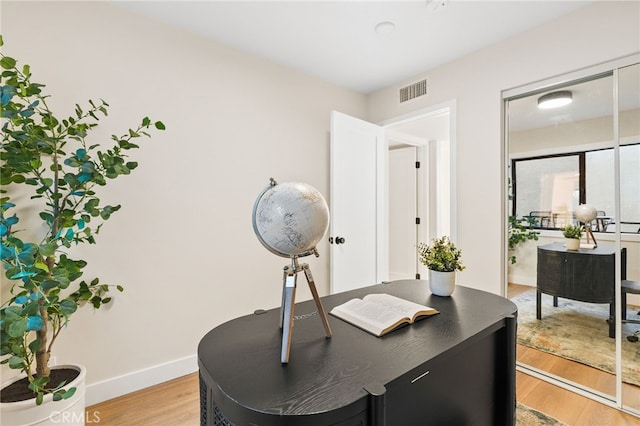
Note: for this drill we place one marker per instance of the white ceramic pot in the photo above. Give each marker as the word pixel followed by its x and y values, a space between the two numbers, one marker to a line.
pixel 66 412
pixel 572 243
pixel 442 283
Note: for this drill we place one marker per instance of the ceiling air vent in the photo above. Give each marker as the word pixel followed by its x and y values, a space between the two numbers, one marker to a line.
pixel 414 90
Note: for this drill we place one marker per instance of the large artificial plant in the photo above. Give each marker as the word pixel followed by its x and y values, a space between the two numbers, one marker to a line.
pixel 520 230
pixel 49 160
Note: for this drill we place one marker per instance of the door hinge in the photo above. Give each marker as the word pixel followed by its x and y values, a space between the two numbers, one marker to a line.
pixel 417 221
pixel 417 164
pixel 417 276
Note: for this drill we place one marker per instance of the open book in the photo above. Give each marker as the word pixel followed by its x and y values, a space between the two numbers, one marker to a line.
pixel 381 313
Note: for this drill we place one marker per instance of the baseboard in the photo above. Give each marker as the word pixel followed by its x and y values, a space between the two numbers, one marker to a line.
pixel 131 382
pixel 522 279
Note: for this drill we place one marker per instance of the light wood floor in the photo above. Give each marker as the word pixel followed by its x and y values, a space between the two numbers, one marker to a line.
pixel 564 405
pixel 177 402
pixel 174 403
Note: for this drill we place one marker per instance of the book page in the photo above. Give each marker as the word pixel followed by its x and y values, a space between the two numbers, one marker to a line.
pixel 369 316
pixel 404 307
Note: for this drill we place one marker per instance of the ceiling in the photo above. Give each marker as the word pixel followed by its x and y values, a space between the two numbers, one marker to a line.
pixel 591 99
pixel 337 41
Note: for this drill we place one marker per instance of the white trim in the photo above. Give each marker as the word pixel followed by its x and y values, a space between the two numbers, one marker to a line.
pixel 382 208
pixel 423 198
pixel 600 236
pixel 453 147
pixel 571 149
pixel 521 279
pixel 397 140
pixel 504 194
pixel 136 380
pixel 431 112
pixel 564 79
pixel 618 242
pixel 428 112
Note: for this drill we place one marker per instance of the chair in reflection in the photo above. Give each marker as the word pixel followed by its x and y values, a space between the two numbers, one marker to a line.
pixel 541 218
pixel 601 221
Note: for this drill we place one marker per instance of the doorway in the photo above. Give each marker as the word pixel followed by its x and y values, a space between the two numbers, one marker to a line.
pixel 359 192
pixel 419 188
pixel 405 218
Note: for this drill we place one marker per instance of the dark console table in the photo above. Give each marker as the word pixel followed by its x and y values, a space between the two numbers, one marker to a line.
pixel 454 368
pixel 587 275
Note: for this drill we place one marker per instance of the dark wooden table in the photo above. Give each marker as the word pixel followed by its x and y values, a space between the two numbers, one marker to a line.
pixel 587 275
pixel 455 368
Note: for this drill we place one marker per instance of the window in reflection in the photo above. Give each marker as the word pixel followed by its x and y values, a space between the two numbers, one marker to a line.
pixel 629 183
pixel 547 190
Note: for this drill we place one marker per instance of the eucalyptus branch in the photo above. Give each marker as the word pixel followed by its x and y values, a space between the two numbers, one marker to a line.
pixel 28 360
pixel 57 328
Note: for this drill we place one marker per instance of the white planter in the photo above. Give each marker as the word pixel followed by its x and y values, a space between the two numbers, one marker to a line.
pixel 66 412
pixel 442 283
pixel 572 243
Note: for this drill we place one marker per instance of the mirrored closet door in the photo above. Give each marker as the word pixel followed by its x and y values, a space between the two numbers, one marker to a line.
pixel 573 160
pixel 629 177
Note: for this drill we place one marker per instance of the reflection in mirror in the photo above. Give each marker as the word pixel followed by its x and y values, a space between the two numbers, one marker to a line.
pixel 629 129
pixel 559 159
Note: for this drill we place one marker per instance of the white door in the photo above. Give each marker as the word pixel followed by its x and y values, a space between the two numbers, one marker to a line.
pixel 357 192
pixel 403 212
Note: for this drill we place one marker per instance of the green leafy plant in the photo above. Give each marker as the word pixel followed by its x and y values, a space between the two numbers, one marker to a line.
pixel 520 232
pixel 572 231
pixel 442 255
pixel 49 158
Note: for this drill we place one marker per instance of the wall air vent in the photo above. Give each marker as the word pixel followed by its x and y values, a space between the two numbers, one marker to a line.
pixel 413 91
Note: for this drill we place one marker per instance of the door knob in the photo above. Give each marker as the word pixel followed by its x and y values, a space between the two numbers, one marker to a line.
pixel 339 240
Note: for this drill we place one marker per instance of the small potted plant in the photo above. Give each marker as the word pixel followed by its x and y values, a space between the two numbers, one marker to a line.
pixel 50 171
pixel 443 259
pixel 572 234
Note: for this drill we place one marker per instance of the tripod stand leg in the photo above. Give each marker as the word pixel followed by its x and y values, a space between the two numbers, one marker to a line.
pixel 288 304
pixel 316 298
pixel 284 294
pixel 590 233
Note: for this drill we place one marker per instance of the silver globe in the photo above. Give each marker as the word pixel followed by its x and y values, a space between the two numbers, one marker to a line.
pixel 586 213
pixel 290 218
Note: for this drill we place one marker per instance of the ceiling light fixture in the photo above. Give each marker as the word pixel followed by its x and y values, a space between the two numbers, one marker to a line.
pixel 385 28
pixel 435 5
pixel 555 99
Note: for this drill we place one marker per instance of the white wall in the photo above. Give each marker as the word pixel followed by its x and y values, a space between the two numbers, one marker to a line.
pixel 183 244
pixel 594 34
pixel 574 136
pixel 587 134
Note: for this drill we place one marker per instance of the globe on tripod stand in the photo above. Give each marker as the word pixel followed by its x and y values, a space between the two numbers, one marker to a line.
pixel 289 219
pixel 586 214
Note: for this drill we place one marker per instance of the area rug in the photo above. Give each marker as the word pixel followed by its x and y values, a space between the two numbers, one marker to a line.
pixel 577 331
pixel 527 416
